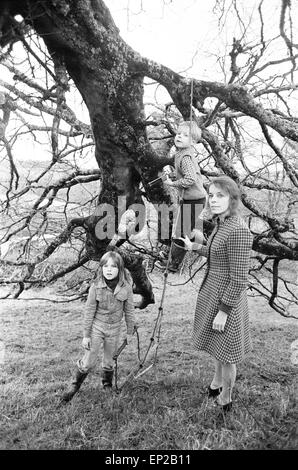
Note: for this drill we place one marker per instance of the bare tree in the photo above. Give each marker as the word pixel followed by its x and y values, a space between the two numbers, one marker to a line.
pixel 251 111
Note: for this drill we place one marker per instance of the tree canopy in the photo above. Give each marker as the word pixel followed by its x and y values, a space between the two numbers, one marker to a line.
pixel 52 50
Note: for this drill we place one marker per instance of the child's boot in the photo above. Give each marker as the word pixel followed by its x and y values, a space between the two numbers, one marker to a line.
pixel 78 379
pixel 107 379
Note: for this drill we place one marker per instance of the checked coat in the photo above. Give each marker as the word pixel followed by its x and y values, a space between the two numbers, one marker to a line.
pixel 224 288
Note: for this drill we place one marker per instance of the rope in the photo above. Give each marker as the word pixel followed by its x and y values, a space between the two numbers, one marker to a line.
pixel 156 331
pixel 137 372
pixel 190 114
pixel 189 140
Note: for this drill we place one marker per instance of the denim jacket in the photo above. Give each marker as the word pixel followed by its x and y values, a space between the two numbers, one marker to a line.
pixel 108 306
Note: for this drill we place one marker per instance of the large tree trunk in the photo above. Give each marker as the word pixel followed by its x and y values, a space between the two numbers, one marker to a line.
pixel 82 36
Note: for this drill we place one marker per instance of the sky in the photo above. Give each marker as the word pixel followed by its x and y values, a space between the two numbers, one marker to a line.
pixel 186 35
pixel 175 34
pixel 167 32
pixel 172 31
pixel 181 34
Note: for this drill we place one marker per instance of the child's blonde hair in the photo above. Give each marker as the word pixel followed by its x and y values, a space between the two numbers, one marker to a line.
pixel 195 131
pixel 123 274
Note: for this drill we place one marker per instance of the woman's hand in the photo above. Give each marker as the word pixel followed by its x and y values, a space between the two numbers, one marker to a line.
pixel 219 321
pixel 190 245
pixel 86 343
pixel 187 242
pixel 197 235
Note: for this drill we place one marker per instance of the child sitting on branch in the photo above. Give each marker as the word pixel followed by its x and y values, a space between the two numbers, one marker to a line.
pixel 189 184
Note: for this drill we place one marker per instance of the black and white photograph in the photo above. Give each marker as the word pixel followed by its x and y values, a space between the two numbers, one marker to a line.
pixel 148 228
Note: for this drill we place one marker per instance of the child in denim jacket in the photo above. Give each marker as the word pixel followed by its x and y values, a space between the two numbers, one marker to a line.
pixel 110 298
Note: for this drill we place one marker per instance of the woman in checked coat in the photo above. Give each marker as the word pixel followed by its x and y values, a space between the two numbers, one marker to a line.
pixel 221 323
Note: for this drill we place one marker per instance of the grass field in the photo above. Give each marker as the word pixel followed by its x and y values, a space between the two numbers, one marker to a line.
pixel 164 409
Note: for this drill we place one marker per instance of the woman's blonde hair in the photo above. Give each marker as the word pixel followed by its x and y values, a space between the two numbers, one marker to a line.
pixel 123 274
pixel 231 188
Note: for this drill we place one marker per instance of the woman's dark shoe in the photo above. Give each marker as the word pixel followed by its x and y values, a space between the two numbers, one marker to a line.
pixel 213 392
pixel 225 408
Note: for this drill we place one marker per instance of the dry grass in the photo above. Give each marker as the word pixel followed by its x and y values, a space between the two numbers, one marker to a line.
pixel 164 409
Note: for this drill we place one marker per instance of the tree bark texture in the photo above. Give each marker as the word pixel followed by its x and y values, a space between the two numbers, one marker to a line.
pixel 81 35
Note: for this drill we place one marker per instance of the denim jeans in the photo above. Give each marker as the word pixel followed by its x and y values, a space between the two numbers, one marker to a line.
pixel 103 336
